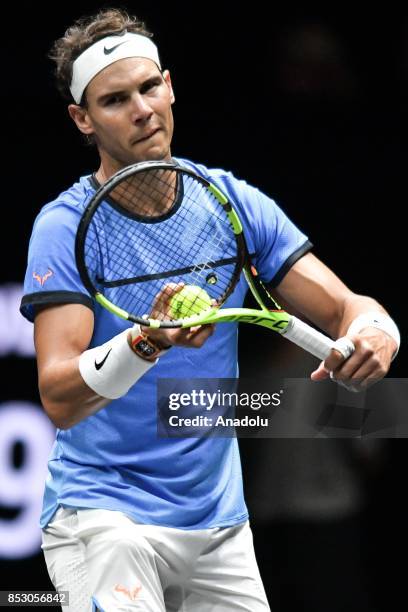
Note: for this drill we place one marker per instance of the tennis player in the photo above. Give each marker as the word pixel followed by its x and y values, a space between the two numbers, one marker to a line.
pixel 131 521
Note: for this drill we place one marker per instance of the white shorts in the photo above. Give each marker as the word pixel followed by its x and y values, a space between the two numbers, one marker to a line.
pixel 110 563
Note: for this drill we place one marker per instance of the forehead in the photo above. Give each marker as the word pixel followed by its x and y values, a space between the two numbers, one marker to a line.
pixel 128 72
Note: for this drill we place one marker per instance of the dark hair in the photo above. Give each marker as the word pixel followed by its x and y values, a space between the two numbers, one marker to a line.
pixel 84 33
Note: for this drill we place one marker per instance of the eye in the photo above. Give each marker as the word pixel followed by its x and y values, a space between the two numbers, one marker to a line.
pixel 114 99
pixel 150 85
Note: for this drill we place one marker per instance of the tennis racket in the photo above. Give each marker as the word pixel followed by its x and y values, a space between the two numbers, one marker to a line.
pixel 156 235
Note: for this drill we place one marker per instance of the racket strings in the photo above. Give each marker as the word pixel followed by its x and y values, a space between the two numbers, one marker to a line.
pixel 157 231
pixel 147 194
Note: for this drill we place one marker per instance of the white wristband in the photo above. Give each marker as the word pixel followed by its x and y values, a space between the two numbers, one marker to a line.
pixel 112 368
pixel 379 320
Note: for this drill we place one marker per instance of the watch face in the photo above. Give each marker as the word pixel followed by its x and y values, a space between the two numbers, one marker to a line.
pixel 145 348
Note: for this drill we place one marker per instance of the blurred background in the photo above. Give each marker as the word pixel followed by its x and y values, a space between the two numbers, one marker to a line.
pixel 310 106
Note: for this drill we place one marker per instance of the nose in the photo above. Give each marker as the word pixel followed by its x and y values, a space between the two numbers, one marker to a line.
pixel 141 110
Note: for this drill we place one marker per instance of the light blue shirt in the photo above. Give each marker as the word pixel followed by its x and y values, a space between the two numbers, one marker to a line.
pixel 114 459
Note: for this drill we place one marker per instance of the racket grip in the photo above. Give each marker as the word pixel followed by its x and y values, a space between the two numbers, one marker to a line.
pixel 308 338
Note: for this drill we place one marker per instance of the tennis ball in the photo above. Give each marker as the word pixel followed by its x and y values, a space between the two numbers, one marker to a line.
pixel 189 301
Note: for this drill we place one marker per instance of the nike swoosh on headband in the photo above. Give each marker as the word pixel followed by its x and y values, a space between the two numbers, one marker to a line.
pixel 108 51
pixel 100 364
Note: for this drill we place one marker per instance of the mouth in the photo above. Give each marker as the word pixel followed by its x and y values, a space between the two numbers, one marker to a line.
pixel 147 135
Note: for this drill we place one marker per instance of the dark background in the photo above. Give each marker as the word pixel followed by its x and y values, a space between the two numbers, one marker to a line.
pixel 310 106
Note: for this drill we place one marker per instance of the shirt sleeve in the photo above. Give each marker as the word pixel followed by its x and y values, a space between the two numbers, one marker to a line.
pixel 52 276
pixel 274 242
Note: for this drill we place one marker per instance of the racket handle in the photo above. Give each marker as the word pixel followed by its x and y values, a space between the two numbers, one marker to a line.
pixel 308 338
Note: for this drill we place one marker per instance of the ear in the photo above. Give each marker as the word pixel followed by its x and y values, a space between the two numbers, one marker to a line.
pixel 80 116
pixel 166 77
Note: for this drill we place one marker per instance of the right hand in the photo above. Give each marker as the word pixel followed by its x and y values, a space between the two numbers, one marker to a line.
pixel 189 337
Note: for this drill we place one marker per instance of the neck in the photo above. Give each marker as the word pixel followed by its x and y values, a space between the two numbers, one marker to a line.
pixel 108 168
pixel 102 175
pixel 148 196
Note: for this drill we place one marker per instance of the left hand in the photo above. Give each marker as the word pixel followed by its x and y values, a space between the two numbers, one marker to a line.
pixel 189 337
pixel 369 363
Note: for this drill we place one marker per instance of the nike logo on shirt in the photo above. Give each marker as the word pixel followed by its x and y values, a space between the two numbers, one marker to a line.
pixel 100 363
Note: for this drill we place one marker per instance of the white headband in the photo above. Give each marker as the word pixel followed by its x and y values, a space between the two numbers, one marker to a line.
pixel 106 51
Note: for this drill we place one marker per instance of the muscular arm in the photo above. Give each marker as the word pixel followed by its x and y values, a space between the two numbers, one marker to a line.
pixel 316 292
pixel 61 334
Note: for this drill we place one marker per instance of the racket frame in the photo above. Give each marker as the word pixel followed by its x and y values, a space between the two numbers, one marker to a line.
pixel 270 314
pixel 100 196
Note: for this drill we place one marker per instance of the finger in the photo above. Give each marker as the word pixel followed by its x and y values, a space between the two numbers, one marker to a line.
pixel 188 337
pixel 354 387
pixel 345 346
pixel 367 374
pixel 362 364
pixel 321 373
pixel 197 338
pixel 161 303
pixel 195 329
pixel 342 349
pixel 348 369
pixel 334 361
pixel 168 291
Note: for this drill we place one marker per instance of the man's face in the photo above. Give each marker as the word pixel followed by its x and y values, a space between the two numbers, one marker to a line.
pixel 129 112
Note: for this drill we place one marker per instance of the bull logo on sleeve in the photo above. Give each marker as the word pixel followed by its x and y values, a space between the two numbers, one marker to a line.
pixel 43 279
